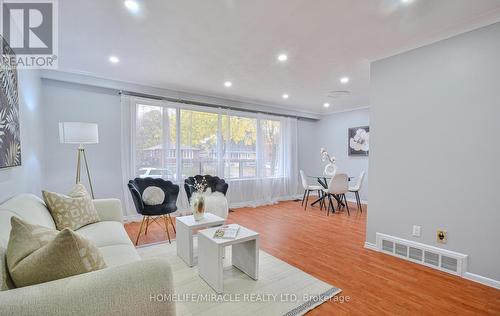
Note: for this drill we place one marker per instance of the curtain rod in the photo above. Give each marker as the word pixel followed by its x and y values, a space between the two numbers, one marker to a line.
pixel 211 105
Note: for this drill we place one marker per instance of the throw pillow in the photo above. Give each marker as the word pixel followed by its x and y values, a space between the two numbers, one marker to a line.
pixel 5 280
pixel 36 254
pixel 153 196
pixel 71 211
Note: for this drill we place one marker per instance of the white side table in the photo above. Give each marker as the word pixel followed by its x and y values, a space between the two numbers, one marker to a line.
pixel 245 255
pixel 184 237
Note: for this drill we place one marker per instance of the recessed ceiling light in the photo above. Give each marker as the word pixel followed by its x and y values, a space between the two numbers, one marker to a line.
pixel 326 105
pixel 114 59
pixel 284 96
pixel 228 84
pixel 282 57
pixel 132 5
pixel 406 1
pixel 344 80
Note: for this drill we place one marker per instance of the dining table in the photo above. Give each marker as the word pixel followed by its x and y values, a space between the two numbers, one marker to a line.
pixel 323 181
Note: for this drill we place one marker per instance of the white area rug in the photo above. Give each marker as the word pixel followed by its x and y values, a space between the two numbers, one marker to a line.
pixel 281 289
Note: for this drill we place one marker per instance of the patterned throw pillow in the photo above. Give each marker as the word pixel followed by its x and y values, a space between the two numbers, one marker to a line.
pixel 5 279
pixel 36 254
pixel 73 211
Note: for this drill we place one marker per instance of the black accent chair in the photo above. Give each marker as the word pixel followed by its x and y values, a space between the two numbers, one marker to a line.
pixel 213 182
pixel 154 212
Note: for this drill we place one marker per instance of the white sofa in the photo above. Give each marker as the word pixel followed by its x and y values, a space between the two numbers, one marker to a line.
pixel 125 287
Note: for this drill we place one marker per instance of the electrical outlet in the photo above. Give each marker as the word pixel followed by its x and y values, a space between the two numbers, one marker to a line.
pixel 416 231
pixel 442 236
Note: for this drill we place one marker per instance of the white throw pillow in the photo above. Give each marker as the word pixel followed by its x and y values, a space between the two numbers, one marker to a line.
pixel 153 196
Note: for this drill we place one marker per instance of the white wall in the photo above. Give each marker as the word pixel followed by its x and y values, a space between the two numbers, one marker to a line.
pixel 67 102
pixel 331 133
pixel 26 178
pixel 435 149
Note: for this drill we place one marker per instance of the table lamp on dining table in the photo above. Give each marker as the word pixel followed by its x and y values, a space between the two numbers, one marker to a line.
pixel 79 133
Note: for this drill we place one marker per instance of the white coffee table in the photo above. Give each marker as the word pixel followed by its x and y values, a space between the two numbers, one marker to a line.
pixel 245 255
pixel 184 237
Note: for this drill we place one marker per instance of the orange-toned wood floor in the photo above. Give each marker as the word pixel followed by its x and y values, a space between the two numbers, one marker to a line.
pixel 331 249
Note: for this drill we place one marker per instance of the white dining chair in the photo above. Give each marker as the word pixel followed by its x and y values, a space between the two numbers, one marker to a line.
pixel 308 188
pixel 356 188
pixel 337 188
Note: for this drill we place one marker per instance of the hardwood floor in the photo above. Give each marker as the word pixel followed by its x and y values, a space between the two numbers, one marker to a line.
pixel 331 249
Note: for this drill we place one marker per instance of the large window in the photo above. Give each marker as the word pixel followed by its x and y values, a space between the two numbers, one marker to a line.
pixel 228 144
pixel 271 148
pixel 240 146
pixel 156 137
pixel 198 143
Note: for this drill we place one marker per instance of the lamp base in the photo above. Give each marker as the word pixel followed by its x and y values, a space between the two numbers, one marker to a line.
pixel 81 155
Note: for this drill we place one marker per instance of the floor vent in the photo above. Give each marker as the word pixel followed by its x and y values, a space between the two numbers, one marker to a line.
pixel 434 257
pixel 387 245
pixel 416 253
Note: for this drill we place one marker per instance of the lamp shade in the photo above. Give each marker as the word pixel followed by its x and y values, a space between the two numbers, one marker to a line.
pixel 78 133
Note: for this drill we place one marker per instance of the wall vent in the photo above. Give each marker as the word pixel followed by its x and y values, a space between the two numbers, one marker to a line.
pixel 434 257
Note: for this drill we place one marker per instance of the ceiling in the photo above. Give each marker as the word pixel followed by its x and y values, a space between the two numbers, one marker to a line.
pixel 197 45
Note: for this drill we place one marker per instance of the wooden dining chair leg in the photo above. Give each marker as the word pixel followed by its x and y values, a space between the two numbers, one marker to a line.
pixel 171 223
pixel 307 199
pixel 166 228
pixel 147 225
pixel 140 230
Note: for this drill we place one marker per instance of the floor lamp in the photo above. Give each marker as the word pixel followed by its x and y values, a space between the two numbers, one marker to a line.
pixel 81 134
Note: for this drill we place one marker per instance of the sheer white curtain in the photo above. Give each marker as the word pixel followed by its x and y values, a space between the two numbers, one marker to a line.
pixel 127 151
pixel 278 184
pixel 256 154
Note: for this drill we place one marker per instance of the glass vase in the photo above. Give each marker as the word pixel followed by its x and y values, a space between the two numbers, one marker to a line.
pixel 198 207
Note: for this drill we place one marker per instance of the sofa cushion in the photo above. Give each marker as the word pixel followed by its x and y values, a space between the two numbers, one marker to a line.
pixel 105 234
pixel 119 254
pixel 25 239
pixel 28 207
pixel 62 254
pixel 5 280
pixel 73 211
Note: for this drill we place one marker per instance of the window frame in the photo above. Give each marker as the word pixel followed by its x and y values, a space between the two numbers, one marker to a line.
pixel 220 168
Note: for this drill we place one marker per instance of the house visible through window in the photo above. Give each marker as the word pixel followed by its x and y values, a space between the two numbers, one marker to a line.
pixel 230 145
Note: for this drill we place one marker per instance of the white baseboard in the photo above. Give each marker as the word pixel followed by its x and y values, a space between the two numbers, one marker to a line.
pixel 354 201
pixel 481 279
pixel 369 245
